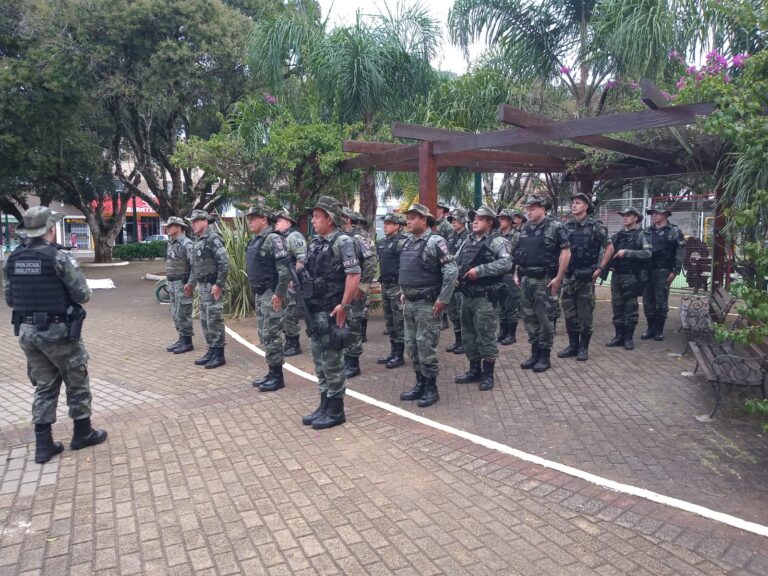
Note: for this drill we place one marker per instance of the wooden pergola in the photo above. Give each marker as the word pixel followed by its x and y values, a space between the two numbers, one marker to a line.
pixel 539 145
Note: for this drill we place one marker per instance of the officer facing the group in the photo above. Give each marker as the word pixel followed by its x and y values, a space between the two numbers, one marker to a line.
pixel 631 254
pixel 509 307
pixel 297 249
pixel 45 288
pixel 178 264
pixel 542 255
pixel 210 266
pixel 458 220
pixel 332 276
pixel 587 237
pixel 427 278
pixel 389 249
pixel 666 263
pixel 267 261
pixel 483 261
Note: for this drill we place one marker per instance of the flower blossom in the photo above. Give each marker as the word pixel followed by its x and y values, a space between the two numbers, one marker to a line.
pixel 565 70
pixel 738 60
pixel 270 99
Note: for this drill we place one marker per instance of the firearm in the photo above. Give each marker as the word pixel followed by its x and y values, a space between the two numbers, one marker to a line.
pixel 75 319
pixel 471 264
pixel 303 306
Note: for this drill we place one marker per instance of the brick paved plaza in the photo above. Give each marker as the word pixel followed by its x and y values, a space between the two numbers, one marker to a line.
pixel 202 474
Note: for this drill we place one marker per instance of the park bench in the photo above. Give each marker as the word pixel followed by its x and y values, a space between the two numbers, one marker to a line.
pixel 699 314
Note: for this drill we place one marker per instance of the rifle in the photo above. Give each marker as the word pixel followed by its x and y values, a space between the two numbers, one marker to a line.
pixel 469 265
pixel 299 292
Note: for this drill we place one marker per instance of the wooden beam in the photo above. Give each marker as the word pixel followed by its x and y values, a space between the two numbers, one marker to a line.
pixel 523 119
pixel 655 100
pixel 427 176
pixel 380 158
pixel 615 172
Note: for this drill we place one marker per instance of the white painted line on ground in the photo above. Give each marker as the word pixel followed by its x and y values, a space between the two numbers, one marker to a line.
pixel 532 458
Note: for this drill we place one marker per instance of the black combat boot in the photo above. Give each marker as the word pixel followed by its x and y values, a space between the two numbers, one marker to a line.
pixel 45 447
pixel 417 391
pixel 573 346
pixel 658 332
pixel 333 415
pixel 389 356
pixel 486 381
pixel 472 375
pixel 510 338
pixel 430 395
pixel 532 359
pixel 543 364
pixel 583 353
pixel 352 366
pixel 618 339
pixel 364 329
pixel 259 381
pixel 650 331
pixel 629 343
pixel 292 346
pixel 397 360
pixel 503 329
pixel 85 435
pixel 445 325
pixel 203 360
pixel 184 346
pixel 216 359
pixel 275 381
pixel 319 411
pixel 457 343
pixel 175 345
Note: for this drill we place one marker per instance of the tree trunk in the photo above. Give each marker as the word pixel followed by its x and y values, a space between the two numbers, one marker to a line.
pixel 368 196
pixel 103 248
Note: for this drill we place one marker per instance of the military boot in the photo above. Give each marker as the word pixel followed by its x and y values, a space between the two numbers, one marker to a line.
pixel 175 345
pixel 444 325
pixel 203 360
pixel 352 366
pixel 583 353
pixel 85 435
pixel 184 346
pixel 503 329
pixel 417 391
pixel 292 346
pixel 259 381
pixel 397 360
pixel 618 339
pixel 333 414
pixel 532 359
pixel 510 338
pixel 275 381
pixel 319 411
pixel 457 343
pixel 629 343
pixel 430 395
pixel 389 356
pixel 216 359
pixel 45 447
pixel 543 364
pixel 650 331
pixel 573 346
pixel 364 329
pixel 658 332
pixel 472 375
pixel 486 381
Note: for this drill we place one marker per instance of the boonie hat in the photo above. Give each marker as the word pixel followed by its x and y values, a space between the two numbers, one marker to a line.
pixel 659 207
pixel 535 199
pixel 330 206
pixel 485 212
pixel 283 213
pixel 585 198
pixel 199 215
pixel 458 214
pixel 393 218
pixel 631 210
pixel 39 219
pixel 424 211
pixel 175 220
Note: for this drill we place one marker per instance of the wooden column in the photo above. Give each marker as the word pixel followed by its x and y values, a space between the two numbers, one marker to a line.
pixel 586 186
pixel 719 272
pixel 427 176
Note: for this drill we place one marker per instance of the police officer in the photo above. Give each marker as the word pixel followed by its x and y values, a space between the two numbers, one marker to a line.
pixel 178 263
pixel 361 222
pixel 333 275
pixel 587 237
pixel 631 249
pixel 45 288
pixel 388 250
pixel 267 261
pixel 483 261
pixel 541 255
pixel 210 267
pixel 666 263
pixel 442 224
pixel 518 219
pixel 427 280
pixel 458 220
pixel 509 307
pixel 297 248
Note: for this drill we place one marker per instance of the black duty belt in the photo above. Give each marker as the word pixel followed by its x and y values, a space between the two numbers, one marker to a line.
pixel 207 279
pixel 261 288
pixel 317 306
pixel 52 319
pixel 389 281
pixel 175 278
pixel 535 273
pixel 428 294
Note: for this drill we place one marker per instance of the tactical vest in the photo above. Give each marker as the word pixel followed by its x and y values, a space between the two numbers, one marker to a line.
pixel 414 272
pixel 204 260
pixel 389 258
pixel 177 264
pixel 35 285
pixel 536 250
pixel 585 250
pixel 455 240
pixel 325 270
pixel 665 243
pixel 261 269
pixel 470 257
pixel 627 240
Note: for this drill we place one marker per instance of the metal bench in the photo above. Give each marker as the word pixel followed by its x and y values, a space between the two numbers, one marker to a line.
pixel 699 314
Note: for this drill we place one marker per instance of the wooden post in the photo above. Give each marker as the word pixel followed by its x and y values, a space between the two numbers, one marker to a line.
pixel 427 176
pixel 719 273
pixel 586 186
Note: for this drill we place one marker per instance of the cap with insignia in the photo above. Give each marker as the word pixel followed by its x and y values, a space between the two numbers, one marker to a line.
pixel 424 211
pixel 659 207
pixel 39 219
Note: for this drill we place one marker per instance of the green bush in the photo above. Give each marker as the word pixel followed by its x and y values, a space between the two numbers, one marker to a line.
pixel 140 251
pixel 238 297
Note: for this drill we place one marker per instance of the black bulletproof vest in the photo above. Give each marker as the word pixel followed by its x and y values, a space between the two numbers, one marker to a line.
pixel 261 267
pixel 535 250
pixel 585 250
pixel 414 272
pixel 327 272
pixel 35 285
pixel 664 241
pixel 626 240
pixel 470 254
pixel 455 240
pixel 389 258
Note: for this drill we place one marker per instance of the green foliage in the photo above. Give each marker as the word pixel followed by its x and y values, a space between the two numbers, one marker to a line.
pixel 760 408
pixel 140 250
pixel 238 296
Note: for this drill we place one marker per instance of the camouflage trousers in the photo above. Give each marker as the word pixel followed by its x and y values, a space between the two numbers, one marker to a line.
pixel 329 363
pixel 578 302
pixel 393 312
pixel 510 304
pixel 422 335
pixel 51 360
pixel 211 316
pixel 454 310
pixel 270 325
pixel 291 318
pixel 181 308
pixel 624 300
pixel 537 306
pixel 478 328
pixel 355 323
pixel 656 295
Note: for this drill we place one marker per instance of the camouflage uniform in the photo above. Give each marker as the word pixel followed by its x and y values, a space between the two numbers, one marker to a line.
pixel 455 240
pixel 178 264
pixel 388 251
pixel 509 306
pixel 297 247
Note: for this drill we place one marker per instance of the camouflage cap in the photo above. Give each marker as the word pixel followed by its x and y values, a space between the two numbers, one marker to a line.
pixel 39 219
pixel 485 212
pixel 175 220
pixel 349 213
pixel 423 211
pixel 443 206
pixel 519 214
pixel 631 210
pixel 582 196
pixel 259 209
pixel 360 219
pixel 393 218
pixel 506 213
pixel 330 206
pixel 659 207
pixel 199 215
pixel 458 214
pixel 283 213
pixel 535 199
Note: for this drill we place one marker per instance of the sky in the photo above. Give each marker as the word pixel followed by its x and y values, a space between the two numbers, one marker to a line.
pixel 343 12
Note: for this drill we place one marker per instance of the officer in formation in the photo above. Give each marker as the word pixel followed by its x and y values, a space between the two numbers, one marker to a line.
pixel 442 224
pixel 297 249
pixel 509 307
pixel 45 288
pixel 483 261
pixel 210 267
pixel 369 266
pixel 518 219
pixel 631 249
pixel 362 224
pixel 588 237
pixel 178 265
pixel 388 250
pixel 267 261
pixel 427 279
pixel 459 221
pixel 541 255
pixel 333 276
pixel 666 263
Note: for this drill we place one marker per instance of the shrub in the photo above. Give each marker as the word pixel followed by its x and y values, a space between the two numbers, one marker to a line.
pixel 140 251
